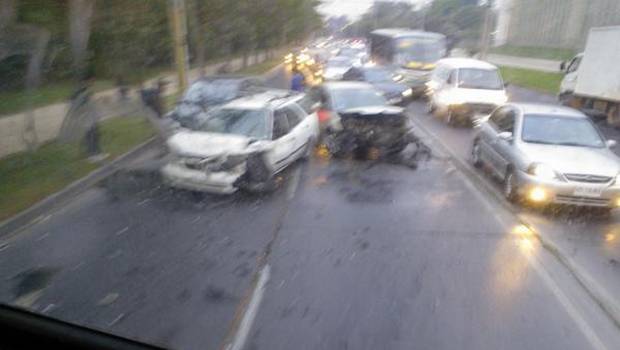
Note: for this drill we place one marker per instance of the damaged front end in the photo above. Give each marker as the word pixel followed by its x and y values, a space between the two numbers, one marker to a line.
pixel 384 129
pixel 240 165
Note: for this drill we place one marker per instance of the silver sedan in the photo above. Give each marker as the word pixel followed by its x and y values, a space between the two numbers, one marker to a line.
pixel 549 154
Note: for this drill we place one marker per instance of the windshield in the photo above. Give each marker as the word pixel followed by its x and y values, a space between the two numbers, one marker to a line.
pixel 344 99
pixel 245 122
pixel 558 130
pixel 471 78
pixel 418 50
pixel 339 62
pixel 311 174
pixel 378 75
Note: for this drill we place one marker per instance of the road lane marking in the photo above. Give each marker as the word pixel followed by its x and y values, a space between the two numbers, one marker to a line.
pixel 240 337
pixel 504 220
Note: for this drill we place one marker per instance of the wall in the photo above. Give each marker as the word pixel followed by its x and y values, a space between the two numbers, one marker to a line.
pixel 556 23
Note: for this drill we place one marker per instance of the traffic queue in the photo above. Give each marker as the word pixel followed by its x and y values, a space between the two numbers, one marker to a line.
pixel 350 97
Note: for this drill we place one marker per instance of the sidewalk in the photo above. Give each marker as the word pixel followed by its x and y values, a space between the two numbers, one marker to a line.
pixel 48 119
pixel 525 62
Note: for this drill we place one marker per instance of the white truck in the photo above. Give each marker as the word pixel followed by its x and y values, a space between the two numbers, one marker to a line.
pixel 592 78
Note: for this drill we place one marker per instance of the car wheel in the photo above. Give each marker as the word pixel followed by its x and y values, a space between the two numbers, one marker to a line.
pixel 475 155
pixel 510 188
pixel 449 118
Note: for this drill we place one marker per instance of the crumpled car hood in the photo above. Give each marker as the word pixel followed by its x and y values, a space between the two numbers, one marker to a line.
pixel 206 144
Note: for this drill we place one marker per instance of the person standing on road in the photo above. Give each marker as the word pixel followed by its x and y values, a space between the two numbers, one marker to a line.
pixel 298 81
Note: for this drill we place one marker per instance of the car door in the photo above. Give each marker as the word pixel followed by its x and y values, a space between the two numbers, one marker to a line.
pixel 489 135
pixel 505 147
pixel 299 129
pixel 283 141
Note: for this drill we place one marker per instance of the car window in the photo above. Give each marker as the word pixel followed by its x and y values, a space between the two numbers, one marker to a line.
pixel 310 99
pixel 294 114
pixel 246 122
pixel 452 77
pixel 280 124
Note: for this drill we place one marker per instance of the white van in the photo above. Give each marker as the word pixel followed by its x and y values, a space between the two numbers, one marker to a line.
pixel 464 90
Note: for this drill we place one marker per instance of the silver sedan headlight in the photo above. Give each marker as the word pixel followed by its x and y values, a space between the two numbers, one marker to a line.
pixel 543 171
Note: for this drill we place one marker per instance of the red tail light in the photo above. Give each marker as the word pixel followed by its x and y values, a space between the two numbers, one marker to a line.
pixel 323 115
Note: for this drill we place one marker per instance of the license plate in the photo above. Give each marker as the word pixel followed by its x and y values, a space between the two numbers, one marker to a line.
pixel 593 192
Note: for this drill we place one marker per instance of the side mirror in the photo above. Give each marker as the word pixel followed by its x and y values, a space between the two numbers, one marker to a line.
pixel 506 84
pixel 505 135
pixel 563 66
pixel 611 143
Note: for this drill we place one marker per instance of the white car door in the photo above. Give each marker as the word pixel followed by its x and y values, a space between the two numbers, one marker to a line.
pixel 284 141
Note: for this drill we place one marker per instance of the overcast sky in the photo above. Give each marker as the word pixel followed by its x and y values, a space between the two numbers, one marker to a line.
pixel 352 8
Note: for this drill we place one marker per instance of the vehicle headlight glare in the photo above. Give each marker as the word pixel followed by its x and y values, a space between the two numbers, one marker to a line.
pixel 407 93
pixel 542 171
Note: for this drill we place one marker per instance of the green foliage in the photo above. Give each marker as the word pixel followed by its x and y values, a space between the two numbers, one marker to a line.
pixel 28 177
pixel 532 79
pixel 129 39
pixel 535 52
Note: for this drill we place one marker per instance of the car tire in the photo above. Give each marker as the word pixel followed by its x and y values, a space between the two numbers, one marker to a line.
pixel 510 188
pixel 449 117
pixel 475 155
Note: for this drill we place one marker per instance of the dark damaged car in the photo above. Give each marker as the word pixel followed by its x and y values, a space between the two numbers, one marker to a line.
pixel 356 118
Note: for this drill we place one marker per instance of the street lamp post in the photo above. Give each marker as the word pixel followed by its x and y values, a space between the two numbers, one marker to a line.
pixel 178 24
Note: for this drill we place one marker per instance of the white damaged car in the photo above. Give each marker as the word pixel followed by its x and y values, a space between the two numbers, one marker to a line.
pixel 242 144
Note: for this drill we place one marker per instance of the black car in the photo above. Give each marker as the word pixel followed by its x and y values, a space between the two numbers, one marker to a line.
pixel 382 79
pixel 208 92
pixel 355 117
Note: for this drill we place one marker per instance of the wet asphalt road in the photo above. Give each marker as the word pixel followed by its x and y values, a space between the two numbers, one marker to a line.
pixel 361 255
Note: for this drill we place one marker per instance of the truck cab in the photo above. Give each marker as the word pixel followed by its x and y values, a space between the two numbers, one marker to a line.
pixel 569 82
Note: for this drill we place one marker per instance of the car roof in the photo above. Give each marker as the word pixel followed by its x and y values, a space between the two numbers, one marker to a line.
pixel 460 62
pixel 347 85
pixel 271 98
pixel 548 109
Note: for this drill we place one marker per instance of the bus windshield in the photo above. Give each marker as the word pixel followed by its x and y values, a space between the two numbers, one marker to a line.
pixel 420 50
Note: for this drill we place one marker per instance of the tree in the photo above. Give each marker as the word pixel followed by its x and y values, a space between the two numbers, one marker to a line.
pixel 80 17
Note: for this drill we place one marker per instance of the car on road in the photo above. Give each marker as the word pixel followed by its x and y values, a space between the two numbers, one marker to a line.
pixel 355 117
pixel 464 90
pixel 383 79
pixel 241 144
pixel 208 92
pixel 336 67
pixel 549 154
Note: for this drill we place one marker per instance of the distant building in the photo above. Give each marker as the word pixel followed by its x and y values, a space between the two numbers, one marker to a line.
pixel 552 23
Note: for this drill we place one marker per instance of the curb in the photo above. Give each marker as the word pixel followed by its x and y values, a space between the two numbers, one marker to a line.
pixel 42 208
pixel 598 294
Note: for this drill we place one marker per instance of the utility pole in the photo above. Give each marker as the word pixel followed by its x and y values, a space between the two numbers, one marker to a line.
pixel 178 24
pixel 486 31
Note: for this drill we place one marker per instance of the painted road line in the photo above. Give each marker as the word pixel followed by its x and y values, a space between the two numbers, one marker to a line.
pixel 241 335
